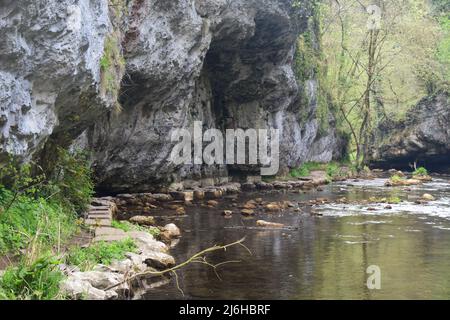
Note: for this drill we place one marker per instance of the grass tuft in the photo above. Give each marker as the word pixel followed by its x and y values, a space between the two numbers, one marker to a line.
pixel 100 253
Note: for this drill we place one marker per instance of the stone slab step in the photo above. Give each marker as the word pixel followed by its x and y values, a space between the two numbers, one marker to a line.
pixel 107 215
pixel 99 216
pixel 102 210
pixel 108 231
pixel 98 222
pixel 110 238
pixel 91 207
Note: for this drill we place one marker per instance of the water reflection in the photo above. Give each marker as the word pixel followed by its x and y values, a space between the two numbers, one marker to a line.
pixel 327 257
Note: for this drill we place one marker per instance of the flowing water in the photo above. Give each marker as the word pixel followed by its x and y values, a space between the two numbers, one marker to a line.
pixel 326 257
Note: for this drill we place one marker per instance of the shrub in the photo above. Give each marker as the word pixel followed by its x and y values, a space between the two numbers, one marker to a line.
pixel 26 215
pixel 332 169
pixel 421 171
pixel 39 280
pixel 71 181
pixel 302 171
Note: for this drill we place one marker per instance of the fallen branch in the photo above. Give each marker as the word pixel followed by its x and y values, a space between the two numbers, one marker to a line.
pixel 196 258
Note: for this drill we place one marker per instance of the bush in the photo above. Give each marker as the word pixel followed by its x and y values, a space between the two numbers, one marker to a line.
pixel 302 171
pixel 332 169
pixel 39 280
pixel 421 171
pixel 101 252
pixel 22 218
pixel 71 181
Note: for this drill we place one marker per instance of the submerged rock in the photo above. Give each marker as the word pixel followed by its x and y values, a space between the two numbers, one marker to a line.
pixel 428 197
pixel 266 224
pixel 247 212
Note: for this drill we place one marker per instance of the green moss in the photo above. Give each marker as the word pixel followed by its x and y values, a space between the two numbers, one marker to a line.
pixel 397 178
pixel 112 66
pixel 394 200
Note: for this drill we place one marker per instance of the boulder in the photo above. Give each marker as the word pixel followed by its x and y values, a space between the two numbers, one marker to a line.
pixel 158 260
pixel 100 279
pixel 143 220
pixel 76 289
pixel 146 242
pixel 173 230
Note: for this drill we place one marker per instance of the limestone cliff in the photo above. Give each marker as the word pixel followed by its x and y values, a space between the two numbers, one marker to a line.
pixel 225 63
pixel 423 137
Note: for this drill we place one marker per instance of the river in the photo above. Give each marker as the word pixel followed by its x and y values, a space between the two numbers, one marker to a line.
pixel 326 257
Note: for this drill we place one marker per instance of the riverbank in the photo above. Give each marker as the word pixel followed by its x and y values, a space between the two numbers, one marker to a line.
pixel 128 235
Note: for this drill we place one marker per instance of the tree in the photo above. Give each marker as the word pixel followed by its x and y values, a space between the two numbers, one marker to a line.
pixel 381 58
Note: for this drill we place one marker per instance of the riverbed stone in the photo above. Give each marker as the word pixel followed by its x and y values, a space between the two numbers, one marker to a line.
pixel 158 260
pixel 273 206
pixel 173 230
pixel 100 279
pixel 146 242
pixel 75 288
pixel 143 220
pixel 247 212
pixel 428 197
pixel 266 224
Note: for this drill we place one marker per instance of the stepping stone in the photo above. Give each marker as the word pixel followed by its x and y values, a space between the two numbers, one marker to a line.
pixel 100 210
pixel 98 222
pixel 91 207
pixel 99 216
pixel 108 231
pixel 110 238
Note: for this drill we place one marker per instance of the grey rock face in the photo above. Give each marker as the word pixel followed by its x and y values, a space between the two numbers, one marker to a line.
pixel 423 137
pixel 227 64
pixel 49 70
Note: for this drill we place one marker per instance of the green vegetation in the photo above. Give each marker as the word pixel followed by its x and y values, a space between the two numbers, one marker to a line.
pixel 25 217
pixel 71 181
pixel 393 200
pixel 397 178
pixel 306 168
pixel 38 280
pixel 333 169
pixel 421 171
pixel 112 66
pixel 128 226
pixel 38 215
pixel 101 252
pixel 367 75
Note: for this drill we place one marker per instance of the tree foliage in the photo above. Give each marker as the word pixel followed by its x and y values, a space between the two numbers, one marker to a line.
pixel 379 62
